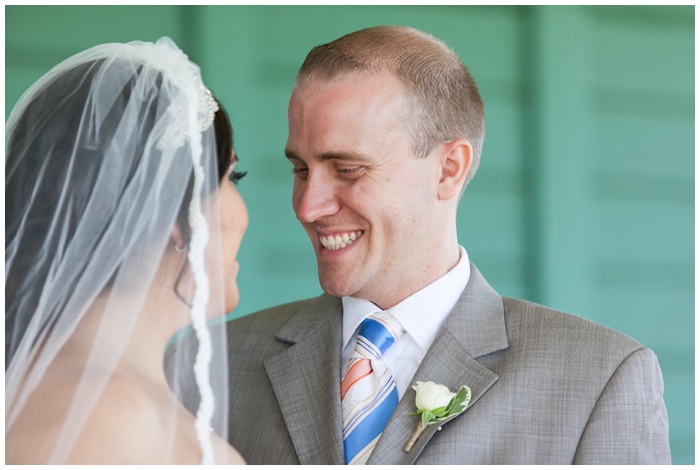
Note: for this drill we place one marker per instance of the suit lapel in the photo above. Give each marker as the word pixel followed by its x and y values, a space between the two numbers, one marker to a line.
pixel 305 379
pixel 475 327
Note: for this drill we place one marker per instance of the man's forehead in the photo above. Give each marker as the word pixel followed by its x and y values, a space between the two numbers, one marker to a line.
pixel 346 118
pixel 319 83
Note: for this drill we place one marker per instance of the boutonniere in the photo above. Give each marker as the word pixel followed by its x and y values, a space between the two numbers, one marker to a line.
pixel 435 404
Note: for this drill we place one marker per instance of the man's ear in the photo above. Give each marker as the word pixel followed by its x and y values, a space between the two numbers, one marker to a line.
pixel 456 159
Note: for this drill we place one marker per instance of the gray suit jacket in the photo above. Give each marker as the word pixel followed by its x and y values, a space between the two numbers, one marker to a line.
pixel 547 388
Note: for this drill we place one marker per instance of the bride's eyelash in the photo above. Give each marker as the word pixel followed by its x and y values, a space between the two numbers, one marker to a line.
pixel 236 176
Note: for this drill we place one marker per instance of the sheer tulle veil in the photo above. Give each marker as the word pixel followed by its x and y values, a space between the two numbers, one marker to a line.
pixel 112 244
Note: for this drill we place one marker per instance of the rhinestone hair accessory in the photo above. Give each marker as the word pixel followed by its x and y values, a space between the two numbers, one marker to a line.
pixel 177 132
pixel 210 107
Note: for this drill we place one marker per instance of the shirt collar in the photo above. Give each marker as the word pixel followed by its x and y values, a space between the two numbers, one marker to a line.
pixel 437 299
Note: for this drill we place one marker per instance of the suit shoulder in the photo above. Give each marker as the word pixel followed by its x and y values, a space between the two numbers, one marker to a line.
pixel 536 324
pixel 273 318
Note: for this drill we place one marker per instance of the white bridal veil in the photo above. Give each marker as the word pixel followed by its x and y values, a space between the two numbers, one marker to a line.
pixel 112 246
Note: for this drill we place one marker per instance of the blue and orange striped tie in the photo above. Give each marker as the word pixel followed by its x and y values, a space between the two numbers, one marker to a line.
pixel 368 391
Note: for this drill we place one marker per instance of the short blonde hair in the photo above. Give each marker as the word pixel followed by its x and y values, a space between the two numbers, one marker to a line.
pixel 443 100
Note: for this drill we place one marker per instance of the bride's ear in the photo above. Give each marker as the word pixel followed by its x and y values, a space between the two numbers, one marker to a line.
pixel 178 239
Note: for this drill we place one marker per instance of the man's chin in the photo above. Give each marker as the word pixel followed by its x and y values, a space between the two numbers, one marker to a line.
pixel 336 288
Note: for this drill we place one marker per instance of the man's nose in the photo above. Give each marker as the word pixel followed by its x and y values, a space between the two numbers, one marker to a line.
pixel 315 199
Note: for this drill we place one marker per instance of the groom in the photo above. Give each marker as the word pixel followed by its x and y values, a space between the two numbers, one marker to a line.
pixel 386 127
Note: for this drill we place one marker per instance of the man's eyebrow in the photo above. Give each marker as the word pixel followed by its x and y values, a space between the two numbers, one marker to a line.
pixel 341 156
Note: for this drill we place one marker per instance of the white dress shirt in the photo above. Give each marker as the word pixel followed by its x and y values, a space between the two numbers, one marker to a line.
pixel 421 315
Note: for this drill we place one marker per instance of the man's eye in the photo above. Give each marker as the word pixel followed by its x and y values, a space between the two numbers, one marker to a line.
pixel 301 172
pixel 351 172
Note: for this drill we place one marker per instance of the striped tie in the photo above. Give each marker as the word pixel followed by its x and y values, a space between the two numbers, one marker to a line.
pixel 368 391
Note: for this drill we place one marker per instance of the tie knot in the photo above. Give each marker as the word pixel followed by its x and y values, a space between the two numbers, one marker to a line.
pixel 377 332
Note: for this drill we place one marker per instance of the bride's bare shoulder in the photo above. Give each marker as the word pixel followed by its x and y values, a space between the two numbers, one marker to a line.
pixel 137 422
pixel 124 427
pixel 129 422
pixel 158 428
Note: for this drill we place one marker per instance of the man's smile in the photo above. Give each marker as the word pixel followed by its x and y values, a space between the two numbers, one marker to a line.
pixel 340 240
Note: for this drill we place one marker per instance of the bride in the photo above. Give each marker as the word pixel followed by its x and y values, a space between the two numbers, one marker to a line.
pixel 122 228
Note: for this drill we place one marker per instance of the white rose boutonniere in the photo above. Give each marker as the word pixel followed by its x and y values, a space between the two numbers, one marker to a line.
pixel 435 404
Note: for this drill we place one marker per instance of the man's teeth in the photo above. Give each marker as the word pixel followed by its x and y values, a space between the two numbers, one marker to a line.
pixel 338 242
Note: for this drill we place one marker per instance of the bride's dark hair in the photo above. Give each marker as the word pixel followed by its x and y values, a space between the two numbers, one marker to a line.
pixel 53 124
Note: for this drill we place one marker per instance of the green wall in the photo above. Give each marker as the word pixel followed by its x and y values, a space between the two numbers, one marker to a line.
pixel 585 196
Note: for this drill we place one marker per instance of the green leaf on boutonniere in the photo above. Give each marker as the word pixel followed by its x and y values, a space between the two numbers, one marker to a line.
pixel 426 416
pixel 458 404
